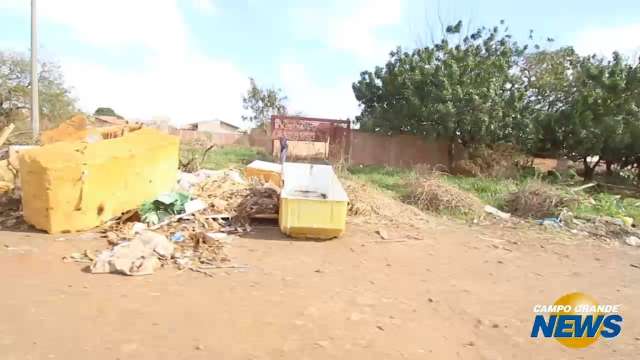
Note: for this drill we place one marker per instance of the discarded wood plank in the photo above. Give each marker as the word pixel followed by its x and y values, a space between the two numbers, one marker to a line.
pixel 491 239
pixel 5 133
pixel 579 188
pixel 394 241
pixel 265 216
pixel 209 267
pixel 201 271
pixel 217 216
pixel 172 219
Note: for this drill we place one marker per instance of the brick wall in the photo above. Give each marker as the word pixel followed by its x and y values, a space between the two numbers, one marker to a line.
pixel 396 150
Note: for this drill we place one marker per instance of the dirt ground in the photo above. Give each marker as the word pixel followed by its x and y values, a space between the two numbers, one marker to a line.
pixel 462 292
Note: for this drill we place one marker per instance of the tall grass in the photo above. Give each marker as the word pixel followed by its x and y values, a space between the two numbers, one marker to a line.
pixel 494 191
pixel 225 157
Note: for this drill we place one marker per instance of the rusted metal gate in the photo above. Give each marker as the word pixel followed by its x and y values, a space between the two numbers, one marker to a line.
pixel 336 134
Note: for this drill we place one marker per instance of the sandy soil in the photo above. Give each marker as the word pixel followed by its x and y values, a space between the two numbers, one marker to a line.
pixel 460 293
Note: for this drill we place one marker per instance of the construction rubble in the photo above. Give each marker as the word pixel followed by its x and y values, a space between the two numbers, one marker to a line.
pixel 189 238
pixel 186 227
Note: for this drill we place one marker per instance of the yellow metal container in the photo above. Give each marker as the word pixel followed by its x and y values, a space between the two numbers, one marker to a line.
pixel 71 186
pixel 313 203
pixel 266 171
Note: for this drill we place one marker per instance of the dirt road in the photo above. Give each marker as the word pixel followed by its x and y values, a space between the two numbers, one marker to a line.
pixel 459 293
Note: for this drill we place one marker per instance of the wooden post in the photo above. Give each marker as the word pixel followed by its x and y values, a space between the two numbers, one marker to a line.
pixel 5 133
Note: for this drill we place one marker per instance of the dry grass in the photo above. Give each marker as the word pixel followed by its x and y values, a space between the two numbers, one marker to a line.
pixel 368 203
pixel 433 194
pixel 539 200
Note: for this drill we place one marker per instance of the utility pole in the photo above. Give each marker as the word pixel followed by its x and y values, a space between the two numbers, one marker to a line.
pixel 35 108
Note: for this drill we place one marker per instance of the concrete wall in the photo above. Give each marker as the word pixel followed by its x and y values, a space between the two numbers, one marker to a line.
pixel 366 148
pixel 396 150
pixel 259 137
pixel 216 127
pixel 212 138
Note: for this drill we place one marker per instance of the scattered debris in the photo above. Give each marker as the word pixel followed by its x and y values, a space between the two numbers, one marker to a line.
pixel 551 222
pixel 259 200
pixel 84 257
pixel 140 256
pixel 216 236
pixel 579 188
pixel 138 228
pixel 177 237
pixel 186 180
pixel 383 234
pixel 19 248
pixel 632 241
pixel 491 210
pixel 164 206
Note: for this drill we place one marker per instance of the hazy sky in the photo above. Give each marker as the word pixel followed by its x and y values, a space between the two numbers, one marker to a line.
pixel 191 59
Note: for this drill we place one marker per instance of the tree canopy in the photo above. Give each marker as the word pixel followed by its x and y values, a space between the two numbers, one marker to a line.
pixel 461 91
pixel 485 88
pixel 56 102
pixel 262 103
pixel 106 111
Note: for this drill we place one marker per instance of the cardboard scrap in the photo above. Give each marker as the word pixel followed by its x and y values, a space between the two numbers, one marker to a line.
pixel 140 256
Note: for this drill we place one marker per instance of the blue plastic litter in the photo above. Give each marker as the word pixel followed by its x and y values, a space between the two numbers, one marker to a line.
pixel 177 237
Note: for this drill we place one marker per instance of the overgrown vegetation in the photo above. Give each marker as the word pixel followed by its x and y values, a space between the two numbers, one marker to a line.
pixel 432 193
pixel 387 178
pixel 222 157
pixel 538 200
pixel 509 194
pixel 485 88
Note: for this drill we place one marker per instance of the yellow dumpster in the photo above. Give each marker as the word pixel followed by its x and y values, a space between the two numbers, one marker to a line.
pixel 267 171
pixel 313 203
pixel 71 186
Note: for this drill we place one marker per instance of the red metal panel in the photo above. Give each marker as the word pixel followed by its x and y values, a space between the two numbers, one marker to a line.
pixel 298 128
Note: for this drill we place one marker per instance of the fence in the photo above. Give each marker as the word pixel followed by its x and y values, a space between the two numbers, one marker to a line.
pixel 365 148
pixel 396 150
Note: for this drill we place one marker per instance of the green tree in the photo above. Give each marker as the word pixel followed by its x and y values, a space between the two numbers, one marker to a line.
pixel 583 107
pixel 106 111
pixel 262 103
pixel 464 91
pixel 605 115
pixel 56 102
pixel 550 82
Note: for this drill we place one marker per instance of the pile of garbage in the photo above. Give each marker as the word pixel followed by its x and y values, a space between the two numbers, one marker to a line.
pixel 188 228
pixel 604 228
